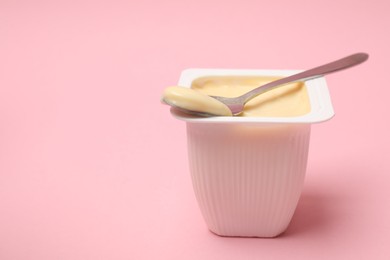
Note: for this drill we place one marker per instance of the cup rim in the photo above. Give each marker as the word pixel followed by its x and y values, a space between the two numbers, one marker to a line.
pixel 319 98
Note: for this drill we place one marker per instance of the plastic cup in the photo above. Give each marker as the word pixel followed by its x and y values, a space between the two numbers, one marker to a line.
pixel 248 172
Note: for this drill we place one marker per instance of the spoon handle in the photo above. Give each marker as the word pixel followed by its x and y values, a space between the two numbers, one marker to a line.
pixel 316 72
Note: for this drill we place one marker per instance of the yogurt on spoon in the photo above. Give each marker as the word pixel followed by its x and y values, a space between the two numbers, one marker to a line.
pixel 192 100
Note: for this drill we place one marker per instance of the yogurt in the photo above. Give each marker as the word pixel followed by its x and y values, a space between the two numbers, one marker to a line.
pixel 290 100
pixel 248 171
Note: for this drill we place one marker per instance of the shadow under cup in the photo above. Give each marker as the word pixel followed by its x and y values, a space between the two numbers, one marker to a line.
pixel 248 172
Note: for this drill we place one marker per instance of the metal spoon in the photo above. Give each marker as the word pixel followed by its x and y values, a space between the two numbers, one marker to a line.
pixel 236 104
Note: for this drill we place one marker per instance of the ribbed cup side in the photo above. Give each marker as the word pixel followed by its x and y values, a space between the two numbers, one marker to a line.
pixel 247 178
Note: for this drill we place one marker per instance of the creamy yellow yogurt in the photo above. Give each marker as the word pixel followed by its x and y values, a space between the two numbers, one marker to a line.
pixel 287 101
pixel 193 100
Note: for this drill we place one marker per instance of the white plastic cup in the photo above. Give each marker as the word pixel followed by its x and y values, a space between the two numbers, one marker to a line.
pixel 248 172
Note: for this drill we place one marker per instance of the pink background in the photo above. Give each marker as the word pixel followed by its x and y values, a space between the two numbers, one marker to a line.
pixel 92 166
